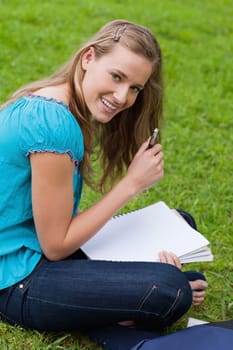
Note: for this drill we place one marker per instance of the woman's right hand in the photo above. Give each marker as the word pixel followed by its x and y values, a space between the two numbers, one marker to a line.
pixel 146 168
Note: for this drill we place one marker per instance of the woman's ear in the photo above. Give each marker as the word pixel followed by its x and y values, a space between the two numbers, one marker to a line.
pixel 88 57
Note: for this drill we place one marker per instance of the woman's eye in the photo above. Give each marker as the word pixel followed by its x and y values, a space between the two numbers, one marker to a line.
pixel 116 77
pixel 135 89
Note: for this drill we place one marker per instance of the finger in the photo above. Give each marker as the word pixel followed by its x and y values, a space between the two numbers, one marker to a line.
pixel 159 157
pixel 162 257
pixel 154 149
pixel 170 258
pixel 176 260
pixel 160 166
pixel 144 146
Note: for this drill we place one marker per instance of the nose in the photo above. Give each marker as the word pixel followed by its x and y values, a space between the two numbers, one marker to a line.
pixel 121 94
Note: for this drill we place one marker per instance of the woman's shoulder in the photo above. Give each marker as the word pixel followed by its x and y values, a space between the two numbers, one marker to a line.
pixel 42 123
pixel 59 93
pixel 46 124
pixel 48 111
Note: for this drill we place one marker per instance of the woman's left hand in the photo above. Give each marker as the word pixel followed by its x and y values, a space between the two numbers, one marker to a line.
pixel 170 258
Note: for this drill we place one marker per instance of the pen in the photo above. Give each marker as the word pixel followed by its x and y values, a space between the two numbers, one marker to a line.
pixel 153 138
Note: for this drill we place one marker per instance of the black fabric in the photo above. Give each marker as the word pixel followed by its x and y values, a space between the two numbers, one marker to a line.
pixel 188 217
pixel 223 324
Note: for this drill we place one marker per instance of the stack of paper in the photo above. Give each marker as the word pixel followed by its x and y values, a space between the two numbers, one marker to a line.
pixel 140 235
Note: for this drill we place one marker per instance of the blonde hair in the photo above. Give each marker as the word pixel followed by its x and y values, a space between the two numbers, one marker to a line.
pixel 120 138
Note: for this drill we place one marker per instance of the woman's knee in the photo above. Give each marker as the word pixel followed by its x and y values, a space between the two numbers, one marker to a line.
pixel 169 296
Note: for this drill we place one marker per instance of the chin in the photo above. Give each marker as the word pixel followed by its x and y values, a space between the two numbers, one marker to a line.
pixel 103 119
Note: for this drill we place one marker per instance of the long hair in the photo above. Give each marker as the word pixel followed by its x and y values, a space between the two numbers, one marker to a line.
pixel 120 138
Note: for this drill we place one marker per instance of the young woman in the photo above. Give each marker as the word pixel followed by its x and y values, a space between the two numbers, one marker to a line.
pixel 109 93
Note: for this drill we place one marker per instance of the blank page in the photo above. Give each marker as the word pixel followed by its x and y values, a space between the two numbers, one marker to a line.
pixel 140 235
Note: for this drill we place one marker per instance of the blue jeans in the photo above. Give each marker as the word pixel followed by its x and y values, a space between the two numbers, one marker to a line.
pixel 81 294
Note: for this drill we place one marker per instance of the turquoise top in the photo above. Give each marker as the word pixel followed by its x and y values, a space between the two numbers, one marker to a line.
pixel 30 124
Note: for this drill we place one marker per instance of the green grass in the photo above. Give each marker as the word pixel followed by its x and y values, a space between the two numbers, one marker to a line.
pixel 196 37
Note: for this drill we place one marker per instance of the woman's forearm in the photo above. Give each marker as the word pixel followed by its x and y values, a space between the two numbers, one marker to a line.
pixel 88 222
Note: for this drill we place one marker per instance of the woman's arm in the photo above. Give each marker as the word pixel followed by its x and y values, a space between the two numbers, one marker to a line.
pixel 52 198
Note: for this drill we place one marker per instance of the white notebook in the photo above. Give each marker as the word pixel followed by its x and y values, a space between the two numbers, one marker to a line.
pixel 140 235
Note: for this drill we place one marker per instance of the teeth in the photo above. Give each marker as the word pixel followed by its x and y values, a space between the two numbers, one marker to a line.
pixel 108 104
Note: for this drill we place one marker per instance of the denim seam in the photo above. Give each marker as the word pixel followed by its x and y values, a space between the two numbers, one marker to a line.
pixel 148 294
pixel 25 284
pixel 34 300
pixel 174 303
pixel 11 321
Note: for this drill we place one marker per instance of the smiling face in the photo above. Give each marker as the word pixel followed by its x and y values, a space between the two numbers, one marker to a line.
pixel 112 82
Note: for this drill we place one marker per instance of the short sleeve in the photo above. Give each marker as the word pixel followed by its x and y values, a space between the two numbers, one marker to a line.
pixel 47 126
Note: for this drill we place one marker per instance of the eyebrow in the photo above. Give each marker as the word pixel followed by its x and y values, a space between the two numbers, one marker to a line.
pixel 126 77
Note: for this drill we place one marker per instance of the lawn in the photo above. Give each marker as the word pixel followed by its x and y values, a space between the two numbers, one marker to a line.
pixel 196 37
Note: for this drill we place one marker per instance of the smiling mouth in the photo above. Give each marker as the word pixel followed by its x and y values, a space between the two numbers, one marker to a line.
pixel 108 104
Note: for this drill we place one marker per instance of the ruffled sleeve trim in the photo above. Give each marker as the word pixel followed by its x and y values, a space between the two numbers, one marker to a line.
pixel 51 99
pixel 68 151
pixel 47 125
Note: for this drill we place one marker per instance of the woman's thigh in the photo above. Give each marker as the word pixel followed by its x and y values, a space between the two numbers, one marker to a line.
pixel 78 294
